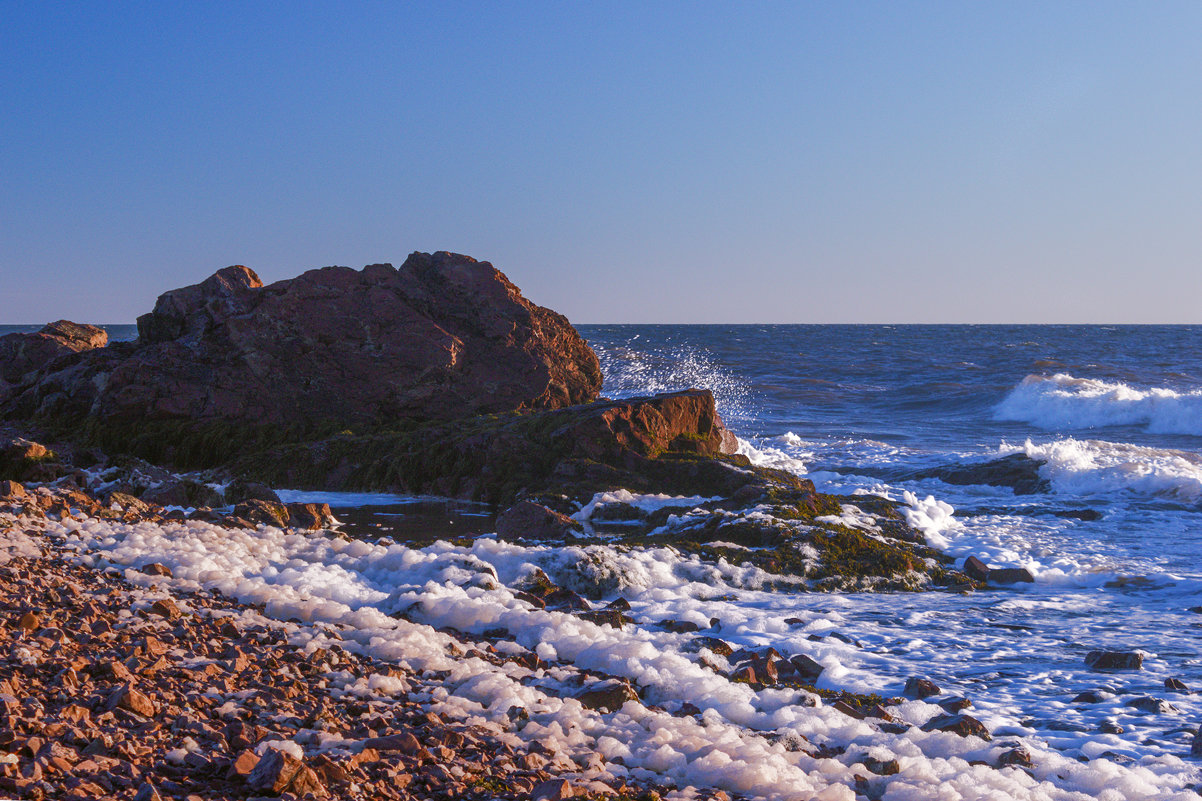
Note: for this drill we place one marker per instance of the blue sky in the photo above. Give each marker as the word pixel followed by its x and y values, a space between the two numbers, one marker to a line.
pixel 620 162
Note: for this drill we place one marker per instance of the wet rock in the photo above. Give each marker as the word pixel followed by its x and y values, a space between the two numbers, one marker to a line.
pixel 963 725
pixel 156 569
pixel 1196 744
pixel 608 696
pixel 955 704
pixel 806 668
pixel 310 516
pixel 1018 757
pixel 1147 703
pixel 1017 471
pixel 530 520
pixel 265 513
pixel 920 688
pixel 1114 660
pixel 882 767
pixel 1176 685
pixel 1089 697
pixel 1010 575
pixel 1109 727
pixel 976 569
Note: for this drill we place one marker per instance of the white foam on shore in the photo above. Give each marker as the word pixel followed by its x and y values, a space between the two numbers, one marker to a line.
pixel 358 585
pixel 1063 402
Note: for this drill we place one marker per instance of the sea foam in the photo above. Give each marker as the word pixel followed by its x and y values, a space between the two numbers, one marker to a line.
pixel 1064 402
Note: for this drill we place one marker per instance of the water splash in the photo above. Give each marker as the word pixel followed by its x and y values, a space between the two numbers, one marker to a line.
pixel 630 372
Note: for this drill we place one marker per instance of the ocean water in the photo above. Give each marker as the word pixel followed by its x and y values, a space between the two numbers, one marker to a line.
pixel 1107 421
pixel 1112 416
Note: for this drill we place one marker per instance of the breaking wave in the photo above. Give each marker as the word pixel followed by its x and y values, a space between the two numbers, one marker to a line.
pixel 1062 401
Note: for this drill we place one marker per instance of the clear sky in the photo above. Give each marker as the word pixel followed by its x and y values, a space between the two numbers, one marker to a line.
pixel 620 162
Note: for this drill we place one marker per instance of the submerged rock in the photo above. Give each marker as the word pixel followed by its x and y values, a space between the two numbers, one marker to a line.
pixel 1115 660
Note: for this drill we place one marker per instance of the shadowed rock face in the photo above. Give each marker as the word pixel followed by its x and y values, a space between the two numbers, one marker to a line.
pixel 443 337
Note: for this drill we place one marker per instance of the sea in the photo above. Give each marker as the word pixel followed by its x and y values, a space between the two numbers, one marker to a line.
pixel 1106 421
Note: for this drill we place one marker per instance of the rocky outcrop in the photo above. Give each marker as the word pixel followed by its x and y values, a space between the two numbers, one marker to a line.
pixel 442 337
pixel 659 444
pixel 23 357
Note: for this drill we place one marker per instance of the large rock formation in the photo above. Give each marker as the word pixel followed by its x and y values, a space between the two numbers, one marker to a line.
pixel 443 337
pixel 663 443
pixel 23 357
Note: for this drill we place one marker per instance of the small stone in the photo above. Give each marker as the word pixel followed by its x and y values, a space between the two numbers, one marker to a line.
pixel 955 704
pixel 29 622
pixel 882 767
pixel 156 569
pixel 127 698
pixel 609 696
pixel 963 725
pixel 920 688
pixel 165 607
pixel 1018 757
pixel 403 742
pixel 1088 697
pixel 1114 660
pixel 274 772
pixel 552 790
pixel 244 764
pixel 848 709
pixel 1109 727
pixel 1176 685
pixel 1196 745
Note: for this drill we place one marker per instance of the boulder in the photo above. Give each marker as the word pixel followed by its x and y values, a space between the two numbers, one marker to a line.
pixel 442 337
pixel 654 444
pixel 24 356
pixel 1115 660
pixel 530 520
pixel 1011 575
pixel 976 569
pixel 264 512
pixel 310 516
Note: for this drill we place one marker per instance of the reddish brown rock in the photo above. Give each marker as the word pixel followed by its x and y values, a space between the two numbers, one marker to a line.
pixel 24 356
pixel 126 697
pixel 443 336
pixel 963 725
pixel 265 512
pixel 156 569
pixel 310 516
pixel 609 696
pixel 274 772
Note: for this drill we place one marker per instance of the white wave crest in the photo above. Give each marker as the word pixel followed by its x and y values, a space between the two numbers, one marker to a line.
pixel 1063 401
pixel 1097 467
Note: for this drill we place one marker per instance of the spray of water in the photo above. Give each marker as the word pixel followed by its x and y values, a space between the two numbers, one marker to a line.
pixel 630 372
